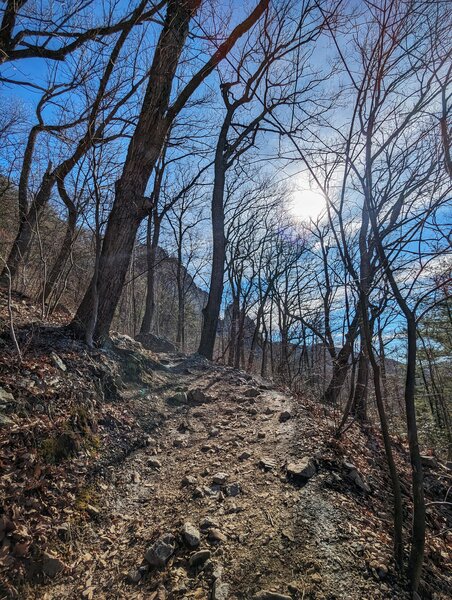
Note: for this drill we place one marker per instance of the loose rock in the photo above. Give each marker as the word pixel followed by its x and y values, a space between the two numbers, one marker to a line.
pixel 285 416
pixel 191 535
pixel 215 535
pixel 51 565
pixel 220 478
pixel 303 469
pixel 161 551
pixel 199 558
pixel 220 590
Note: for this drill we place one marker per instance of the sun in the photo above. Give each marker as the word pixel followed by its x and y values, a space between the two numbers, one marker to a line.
pixel 308 202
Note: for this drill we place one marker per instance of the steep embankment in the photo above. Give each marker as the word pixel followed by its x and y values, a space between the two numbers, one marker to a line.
pixel 116 460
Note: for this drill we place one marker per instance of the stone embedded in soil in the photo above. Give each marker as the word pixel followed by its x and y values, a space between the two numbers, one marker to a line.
pixel 197 396
pixel 191 535
pixel 354 476
pixel 220 478
pixel 285 416
pixel 199 558
pixel 252 393
pixel 189 480
pixel 245 455
pixel 267 463
pixel 214 432
pixel 207 523
pixel 58 362
pixel 220 590
pixel 51 565
pixel 215 535
pixel 233 489
pixel 302 469
pixel 316 578
pixel 198 492
pixel 179 442
pixel 154 463
pixel 161 550
pixel 266 595
pixel 134 576
pixel 5 421
pixel 135 477
pixel 6 397
pixel 178 398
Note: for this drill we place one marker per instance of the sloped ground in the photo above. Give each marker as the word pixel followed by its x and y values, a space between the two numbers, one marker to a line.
pixel 159 442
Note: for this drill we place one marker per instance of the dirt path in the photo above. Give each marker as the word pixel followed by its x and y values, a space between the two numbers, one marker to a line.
pixel 263 532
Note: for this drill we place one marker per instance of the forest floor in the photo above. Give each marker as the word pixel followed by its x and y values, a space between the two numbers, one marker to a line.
pixel 104 453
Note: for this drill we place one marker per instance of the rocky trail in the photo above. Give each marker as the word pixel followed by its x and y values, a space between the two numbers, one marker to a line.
pixel 227 500
pixel 127 474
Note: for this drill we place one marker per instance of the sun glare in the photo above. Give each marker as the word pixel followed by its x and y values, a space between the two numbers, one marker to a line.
pixel 308 202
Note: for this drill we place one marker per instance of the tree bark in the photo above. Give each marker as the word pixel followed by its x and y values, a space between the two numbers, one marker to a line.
pixel 152 243
pixel 211 312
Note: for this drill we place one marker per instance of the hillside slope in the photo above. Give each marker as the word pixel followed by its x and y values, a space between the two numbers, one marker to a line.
pixel 119 459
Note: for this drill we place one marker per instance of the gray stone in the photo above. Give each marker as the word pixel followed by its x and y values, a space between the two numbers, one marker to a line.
pixel 58 362
pixel 220 590
pixel 5 421
pixel 245 455
pixel 285 416
pixel 198 492
pixel 267 463
pixel 191 535
pixel 134 576
pixel 6 397
pixel 155 343
pixel 178 398
pixel 252 393
pixel 197 396
pixel 232 489
pixel 199 558
pixel 215 535
pixel 220 478
pixel 302 469
pixel 356 478
pixel 161 550
pixel 207 523
pixel 179 442
pixel 189 480
pixel 154 463
pixel 51 565
pixel 214 432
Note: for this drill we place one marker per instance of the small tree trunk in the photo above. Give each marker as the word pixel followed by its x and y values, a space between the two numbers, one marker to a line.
pixel 64 254
pixel 211 311
pixel 152 242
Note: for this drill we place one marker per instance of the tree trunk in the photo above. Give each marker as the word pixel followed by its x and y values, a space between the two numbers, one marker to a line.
pixel 418 527
pixel 359 404
pixel 152 242
pixel 341 365
pixel 65 250
pixel 129 206
pixel 211 312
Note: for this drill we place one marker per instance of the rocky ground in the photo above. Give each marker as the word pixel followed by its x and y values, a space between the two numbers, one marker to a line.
pixel 131 475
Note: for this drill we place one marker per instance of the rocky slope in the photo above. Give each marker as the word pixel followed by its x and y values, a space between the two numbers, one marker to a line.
pixel 132 475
